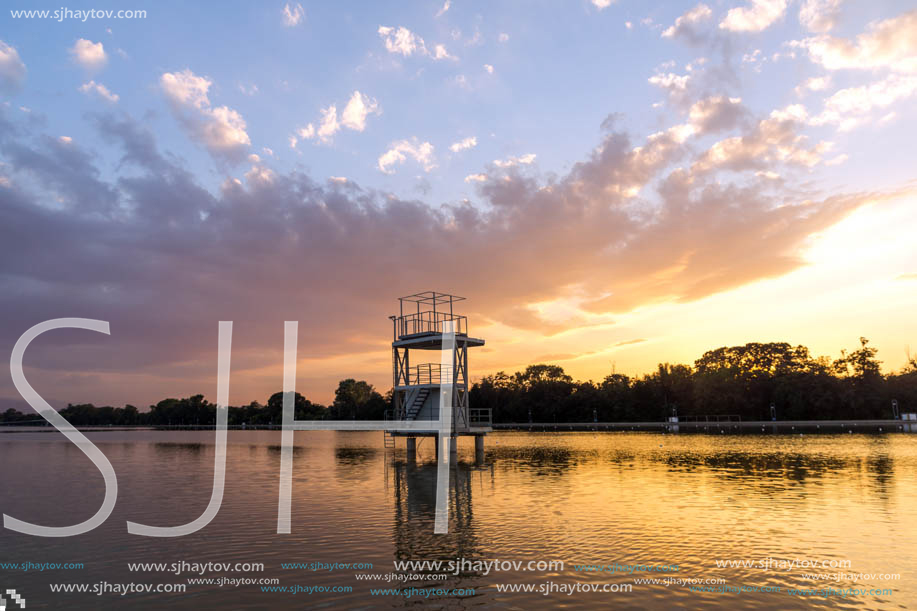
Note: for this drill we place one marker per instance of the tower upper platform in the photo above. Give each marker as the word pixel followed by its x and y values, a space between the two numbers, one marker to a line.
pixel 419 323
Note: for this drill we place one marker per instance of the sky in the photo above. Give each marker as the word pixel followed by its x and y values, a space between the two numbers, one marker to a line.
pixel 610 184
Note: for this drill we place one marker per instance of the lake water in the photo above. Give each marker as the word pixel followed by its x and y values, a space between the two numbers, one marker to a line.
pixel 582 498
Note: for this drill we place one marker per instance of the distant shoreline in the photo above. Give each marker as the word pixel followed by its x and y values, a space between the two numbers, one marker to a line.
pixel 782 427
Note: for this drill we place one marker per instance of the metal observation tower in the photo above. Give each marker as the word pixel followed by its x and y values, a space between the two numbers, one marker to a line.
pixel 430 345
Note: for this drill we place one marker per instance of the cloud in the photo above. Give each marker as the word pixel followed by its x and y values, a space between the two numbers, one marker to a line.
pixel 819 15
pixel 464 144
pixel 329 124
pixel 716 113
pixel 815 83
pixel 886 44
pixel 248 90
pixel 100 90
pixel 755 59
pixel 402 41
pixel 601 4
pixel 358 108
pixel 221 130
pixel 755 17
pixel 476 39
pixel 684 25
pixel 476 178
pixel 186 89
pixel 489 68
pixel 503 37
pixel 511 162
pixel 445 8
pixel 66 172
pixel 169 256
pixel 440 52
pixel 293 15
pixel 353 117
pixel 697 79
pixel 399 152
pixel 303 133
pixel 12 69
pixel 671 82
pixel 259 176
pixel 88 54
pixel 772 141
pixel 849 107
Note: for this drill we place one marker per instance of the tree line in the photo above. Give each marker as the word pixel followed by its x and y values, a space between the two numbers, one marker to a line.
pixel 353 400
pixel 743 381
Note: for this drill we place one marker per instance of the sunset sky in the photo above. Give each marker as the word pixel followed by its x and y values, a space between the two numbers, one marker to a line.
pixel 610 184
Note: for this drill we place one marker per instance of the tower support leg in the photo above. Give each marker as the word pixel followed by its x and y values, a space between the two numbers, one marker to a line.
pixel 412 448
pixel 479 448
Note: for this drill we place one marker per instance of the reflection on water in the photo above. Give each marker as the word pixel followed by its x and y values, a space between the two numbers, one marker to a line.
pixel 590 498
pixel 414 498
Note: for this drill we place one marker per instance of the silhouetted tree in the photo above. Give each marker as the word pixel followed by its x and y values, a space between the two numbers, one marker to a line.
pixel 357 400
pixel 862 381
pixel 303 409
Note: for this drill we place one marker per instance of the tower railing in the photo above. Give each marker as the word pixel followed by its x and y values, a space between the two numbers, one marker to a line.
pixel 417 323
pixel 480 416
pixel 428 373
pixel 425 374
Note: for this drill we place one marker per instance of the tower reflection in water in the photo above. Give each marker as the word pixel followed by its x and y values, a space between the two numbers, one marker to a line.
pixel 414 499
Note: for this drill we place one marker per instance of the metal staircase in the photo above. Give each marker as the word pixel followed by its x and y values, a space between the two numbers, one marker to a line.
pixel 387 438
pixel 416 405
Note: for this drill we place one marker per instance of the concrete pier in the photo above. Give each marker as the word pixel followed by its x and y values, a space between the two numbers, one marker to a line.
pixel 412 448
pixel 479 448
